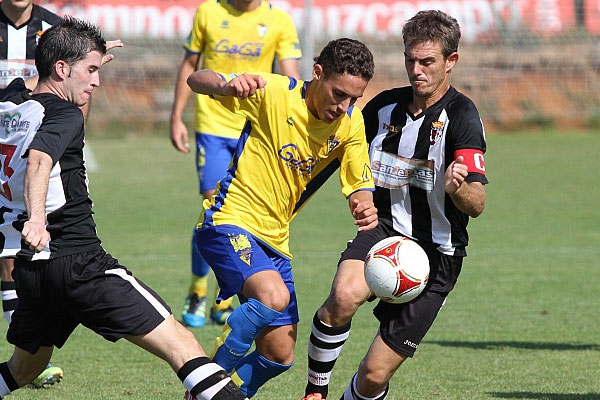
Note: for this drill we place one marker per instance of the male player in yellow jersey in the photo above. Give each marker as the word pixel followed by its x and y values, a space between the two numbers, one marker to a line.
pixel 295 136
pixel 232 36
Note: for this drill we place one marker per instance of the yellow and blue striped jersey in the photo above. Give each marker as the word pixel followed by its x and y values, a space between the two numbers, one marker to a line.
pixel 283 156
pixel 232 41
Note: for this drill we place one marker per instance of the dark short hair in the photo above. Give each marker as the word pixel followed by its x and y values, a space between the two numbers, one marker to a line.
pixel 70 40
pixel 346 56
pixel 432 26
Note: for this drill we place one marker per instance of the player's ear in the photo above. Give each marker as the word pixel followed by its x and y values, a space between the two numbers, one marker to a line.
pixel 451 61
pixel 62 69
pixel 317 72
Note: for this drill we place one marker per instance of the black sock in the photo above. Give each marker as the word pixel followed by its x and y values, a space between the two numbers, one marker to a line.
pixel 7 379
pixel 324 347
pixel 200 374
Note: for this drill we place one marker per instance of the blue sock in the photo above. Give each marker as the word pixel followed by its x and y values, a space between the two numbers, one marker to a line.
pixel 199 266
pixel 240 330
pixel 254 370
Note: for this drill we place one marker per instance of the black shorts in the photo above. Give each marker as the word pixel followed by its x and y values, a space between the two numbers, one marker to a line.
pixel 403 326
pixel 89 288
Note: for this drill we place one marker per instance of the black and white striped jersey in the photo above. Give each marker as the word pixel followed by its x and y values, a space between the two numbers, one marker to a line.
pixel 54 126
pixel 18 44
pixel 409 156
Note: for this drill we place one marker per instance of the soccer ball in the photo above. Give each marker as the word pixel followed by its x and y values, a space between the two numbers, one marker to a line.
pixel 396 269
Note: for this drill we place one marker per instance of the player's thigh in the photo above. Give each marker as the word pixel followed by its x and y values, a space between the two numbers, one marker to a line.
pixel 349 285
pixel 268 287
pixel 403 326
pixel 105 297
pixel 277 343
pixel 233 254
pixel 41 317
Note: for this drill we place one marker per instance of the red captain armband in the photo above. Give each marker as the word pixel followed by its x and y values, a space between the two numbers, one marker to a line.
pixel 473 159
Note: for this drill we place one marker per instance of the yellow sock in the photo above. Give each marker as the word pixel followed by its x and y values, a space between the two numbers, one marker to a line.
pixel 223 305
pixel 199 285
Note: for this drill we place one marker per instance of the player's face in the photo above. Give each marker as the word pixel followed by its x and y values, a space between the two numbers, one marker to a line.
pixel 19 4
pixel 82 78
pixel 335 94
pixel 427 68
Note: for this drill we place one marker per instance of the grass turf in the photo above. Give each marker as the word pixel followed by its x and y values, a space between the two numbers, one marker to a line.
pixel 522 323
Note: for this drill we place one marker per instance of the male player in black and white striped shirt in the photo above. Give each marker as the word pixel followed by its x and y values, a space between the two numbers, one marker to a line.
pixel 426 147
pixel 60 264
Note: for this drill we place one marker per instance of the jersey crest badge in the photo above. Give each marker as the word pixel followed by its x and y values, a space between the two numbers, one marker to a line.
pixel 437 128
pixel 225 24
pixel 332 143
pixel 262 30
pixel 241 245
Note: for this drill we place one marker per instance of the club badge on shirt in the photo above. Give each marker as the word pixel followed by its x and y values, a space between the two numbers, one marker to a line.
pixel 437 129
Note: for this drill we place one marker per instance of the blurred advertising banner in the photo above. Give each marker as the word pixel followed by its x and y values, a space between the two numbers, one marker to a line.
pixel 592 16
pixel 479 19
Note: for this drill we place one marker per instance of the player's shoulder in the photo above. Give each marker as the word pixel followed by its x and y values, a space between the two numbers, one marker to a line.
pixel 57 108
pixel 458 104
pixel 15 92
pixel 276 11
pixel 46 15
pixel 390 96
pixel 354 113
pixel 210 4
pixel 280 81
pixel 209 8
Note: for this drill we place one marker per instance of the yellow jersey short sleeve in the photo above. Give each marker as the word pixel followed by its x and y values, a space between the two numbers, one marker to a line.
pixel 283 156
pixel 232 41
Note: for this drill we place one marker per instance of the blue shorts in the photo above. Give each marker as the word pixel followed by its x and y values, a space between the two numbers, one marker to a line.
pixel 213 156
pixel 234 254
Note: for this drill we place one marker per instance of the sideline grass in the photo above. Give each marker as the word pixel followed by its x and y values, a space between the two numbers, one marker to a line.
pixel 523 322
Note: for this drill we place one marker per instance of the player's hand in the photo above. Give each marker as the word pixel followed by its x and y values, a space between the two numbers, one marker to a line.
pixel 111 44
pixel 244 86
pixel 179 136
pixel 35 235
pixel 455 175
pixel 365 214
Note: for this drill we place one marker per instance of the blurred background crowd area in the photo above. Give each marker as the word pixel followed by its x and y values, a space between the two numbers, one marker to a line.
pixel 527 64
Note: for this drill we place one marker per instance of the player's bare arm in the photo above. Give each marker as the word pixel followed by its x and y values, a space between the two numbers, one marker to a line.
pixel 179 132
pixel 289 67
pixel 209 82
pixel 39 165
pixel 363 210
pixel 468 197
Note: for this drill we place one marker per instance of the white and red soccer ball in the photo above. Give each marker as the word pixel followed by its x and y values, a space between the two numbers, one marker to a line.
pixel 397 269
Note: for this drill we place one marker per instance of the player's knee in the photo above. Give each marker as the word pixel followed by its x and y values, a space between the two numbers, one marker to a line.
pixel 344 301
pixel 276 298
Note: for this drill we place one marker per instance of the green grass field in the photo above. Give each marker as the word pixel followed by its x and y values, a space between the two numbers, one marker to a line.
pixel 522 323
